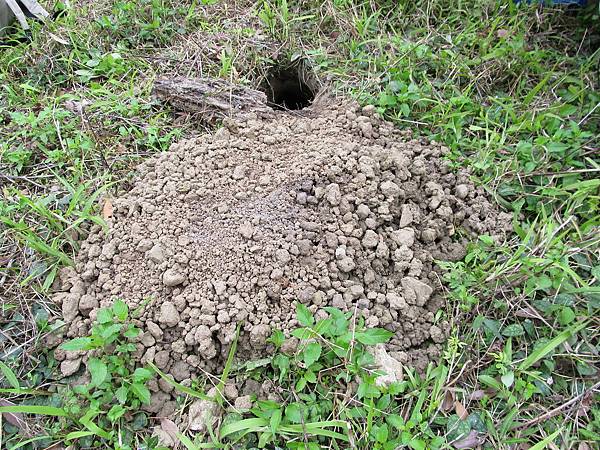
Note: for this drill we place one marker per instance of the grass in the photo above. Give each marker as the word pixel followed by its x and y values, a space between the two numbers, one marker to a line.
pixel 512 90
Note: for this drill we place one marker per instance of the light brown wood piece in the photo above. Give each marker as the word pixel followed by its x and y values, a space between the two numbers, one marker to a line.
pixel 213 99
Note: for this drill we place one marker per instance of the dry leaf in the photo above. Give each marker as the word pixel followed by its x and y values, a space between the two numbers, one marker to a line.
pixel 528 313
pixel 448 401
pixel 58 39
pixel 15 419
pixel 472 440
pixel 477 395
pixel 583 446
pixel 502 33
pixel 107 209
pixel 460 410
pixel 171 428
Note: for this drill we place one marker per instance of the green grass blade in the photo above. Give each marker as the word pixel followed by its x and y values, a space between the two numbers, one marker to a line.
pixel 542 351
pixel 179 387
pixel 546 441
pixel 33 409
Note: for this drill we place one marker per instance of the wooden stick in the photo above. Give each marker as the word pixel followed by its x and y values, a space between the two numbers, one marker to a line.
pixel 35 8
pixel 12 4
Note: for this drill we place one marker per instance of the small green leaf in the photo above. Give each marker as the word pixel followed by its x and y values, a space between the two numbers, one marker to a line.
pixel 98 371
pixel 277 338
pixel 121 394
pixel 104 315
pixel 373 336
pixel 121 310
pixel 10 376
pixel 141 375
pixel 311 353
pixel 275 421
pixel 310 377
pixel 304 316
pixel 132 332
pixel 141 392
pixel 82 343
pixel 514 329
pixel 508 378
pixel 301 384
pixel 115 413
pixel 382 433
pixel 566 315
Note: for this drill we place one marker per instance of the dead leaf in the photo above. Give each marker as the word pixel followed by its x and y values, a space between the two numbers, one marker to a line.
pixel 57 446
pixel 583 446
pixel 448 401
pixel 460 410
pixel 15 419
pixel 477 395
pixel 171 428
pixel 107 209
pixel 502 33
pixel 528 313
pixel 472 440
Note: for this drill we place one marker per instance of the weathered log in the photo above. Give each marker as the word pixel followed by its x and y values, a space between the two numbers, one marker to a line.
pixel 212 99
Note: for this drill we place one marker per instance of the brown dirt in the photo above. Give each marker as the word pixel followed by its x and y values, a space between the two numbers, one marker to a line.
pixel 329 206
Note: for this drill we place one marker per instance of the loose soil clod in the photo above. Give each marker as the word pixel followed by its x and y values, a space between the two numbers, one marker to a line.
pixel 330 207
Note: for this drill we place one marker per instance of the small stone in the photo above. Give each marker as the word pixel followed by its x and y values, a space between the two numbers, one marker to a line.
pixel 406 216
pixel 390 367
pixel 333 194
pixel 169 314
pixel 428 235
pixel 403 236
pixel 363 211
pixel 69 366
pixel 437 335
pixel 283 256
pixel 396 301
pixel 239 172
pixel 246 230
pixel 346 264
pixel 202 413
pixel 415 291
pixel 220 287
pixel 370 240
pixel 172 277
pixel 154 330
pixel 389 189
pixel 243 403
pixel 70 306
pixel 87 303
pixel 156 254
pixel 462 190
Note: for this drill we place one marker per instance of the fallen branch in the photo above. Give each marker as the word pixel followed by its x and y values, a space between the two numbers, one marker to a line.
pixel 213 99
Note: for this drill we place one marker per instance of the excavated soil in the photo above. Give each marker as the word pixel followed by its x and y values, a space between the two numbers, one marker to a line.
pixel 329 206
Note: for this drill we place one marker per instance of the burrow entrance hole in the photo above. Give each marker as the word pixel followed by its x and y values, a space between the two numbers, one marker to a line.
pixel 288 87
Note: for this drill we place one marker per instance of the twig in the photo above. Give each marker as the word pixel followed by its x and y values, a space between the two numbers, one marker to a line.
pixel 558 409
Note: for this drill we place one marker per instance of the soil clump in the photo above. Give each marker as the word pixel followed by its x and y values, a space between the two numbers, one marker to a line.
pixel 329 206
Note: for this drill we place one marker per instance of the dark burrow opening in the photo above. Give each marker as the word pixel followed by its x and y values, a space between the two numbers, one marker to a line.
pixel 288 88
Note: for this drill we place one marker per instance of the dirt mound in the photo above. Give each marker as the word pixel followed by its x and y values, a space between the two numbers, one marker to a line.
pixel 329 206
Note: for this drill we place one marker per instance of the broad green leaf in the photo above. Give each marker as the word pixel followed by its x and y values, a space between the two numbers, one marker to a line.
pixel 98 371
pixel 277 338
pixel 382 433
pixel 373 336
pixel 293 412
pixel 120 309
pixel 304 316
pixel 311 353
pixel 544 443
pixel 514 329
pixel 141 392
pixel 10 376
